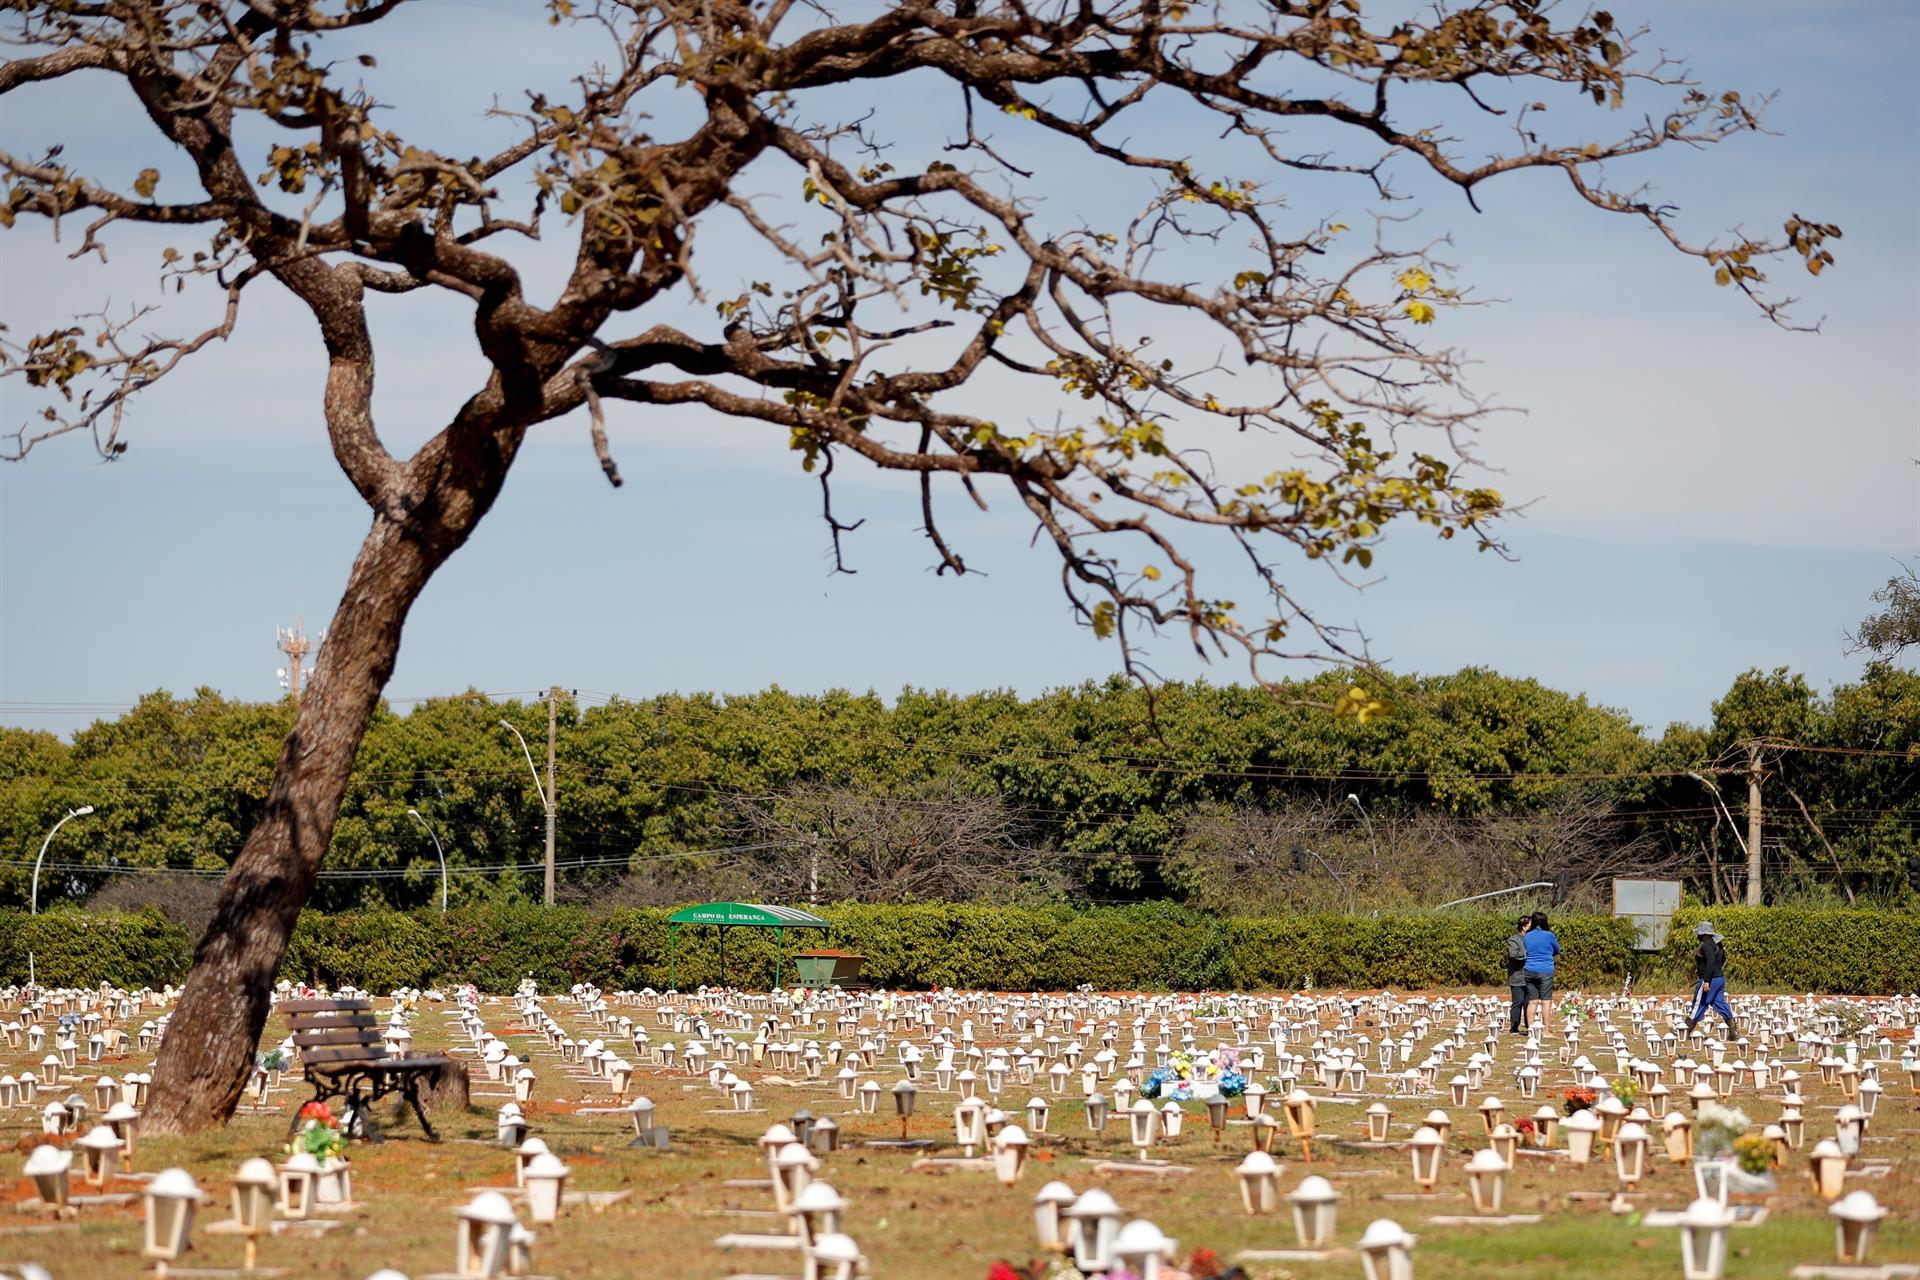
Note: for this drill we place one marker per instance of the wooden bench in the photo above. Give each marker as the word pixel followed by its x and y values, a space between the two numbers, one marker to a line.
pixel 343 1054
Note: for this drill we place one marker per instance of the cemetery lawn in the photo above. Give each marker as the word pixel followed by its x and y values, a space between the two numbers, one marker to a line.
pixel 916 1225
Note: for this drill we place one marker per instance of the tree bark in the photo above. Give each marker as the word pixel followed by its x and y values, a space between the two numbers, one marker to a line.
pixel 207 1053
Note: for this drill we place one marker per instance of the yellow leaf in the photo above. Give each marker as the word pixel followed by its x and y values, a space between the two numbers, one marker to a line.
pixel 1414 280
pixel 144 184
pixel 1151 573
pixel 1420 312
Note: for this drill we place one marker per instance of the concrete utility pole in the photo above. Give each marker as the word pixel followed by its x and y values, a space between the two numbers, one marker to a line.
pixel 553 797
pixel 1754 819
pixel 548 800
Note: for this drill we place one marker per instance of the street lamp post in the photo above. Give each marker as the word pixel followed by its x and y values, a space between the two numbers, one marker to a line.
pixel 415 815
pixel 1369 821
pixel 81 812
pixel 546 795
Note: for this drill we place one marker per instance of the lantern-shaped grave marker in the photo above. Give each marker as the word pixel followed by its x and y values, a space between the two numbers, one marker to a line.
pixel 510 1126
pixel 1258 1175
pixel 1143 1123
pixel 1386 1251
pixel 1141 1248
pixel 1630 1153
pixel 1315 1206
pixel 1505 1141
pixel 816 1211
pixel 1487 1180
pixel 99 1155
pixel 831 1257
pixel 485 1236
pixel 1050 1225
pixel 1582 1128
pixel 1827 1167
pixel 970 1124
pixel 903 1099
pixel 1010 1154
pixel 50 1169
pixel 1856 1218
pixel 169 1200
pixel 1677 1131
pixel 1703 1240
pixel 1300 1111
pixel 253 1193
pixel 1217 1115
pixel 1097 1112
pixel 545 1179
pixel 1095 1220
pixel 1546 1126
pixel 299 1185
pixel 523 1157
pixel 1425 1150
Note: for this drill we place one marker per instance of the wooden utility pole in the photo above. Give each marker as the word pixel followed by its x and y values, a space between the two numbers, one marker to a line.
pixel 552 797
pixel 1754 823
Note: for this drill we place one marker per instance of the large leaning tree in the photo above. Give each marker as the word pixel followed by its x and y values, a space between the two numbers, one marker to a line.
pixel 908 284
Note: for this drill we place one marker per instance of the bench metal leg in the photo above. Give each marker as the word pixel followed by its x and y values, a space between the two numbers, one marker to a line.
pixel 411 1091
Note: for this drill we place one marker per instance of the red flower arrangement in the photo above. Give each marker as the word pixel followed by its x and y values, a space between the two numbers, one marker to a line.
pixel 1526 1125
pixel 321 1112
pixel 1204 1264
pixel 1579 1098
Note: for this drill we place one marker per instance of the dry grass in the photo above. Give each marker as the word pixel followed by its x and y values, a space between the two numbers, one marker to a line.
pixel 926 1226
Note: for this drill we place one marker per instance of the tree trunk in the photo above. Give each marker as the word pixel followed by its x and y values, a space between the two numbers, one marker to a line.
pixel 208 1050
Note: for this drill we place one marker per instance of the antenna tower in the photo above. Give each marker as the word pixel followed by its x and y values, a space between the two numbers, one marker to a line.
pixel 293 642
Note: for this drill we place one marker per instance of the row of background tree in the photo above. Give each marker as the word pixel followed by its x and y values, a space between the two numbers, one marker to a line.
pixel 1221 797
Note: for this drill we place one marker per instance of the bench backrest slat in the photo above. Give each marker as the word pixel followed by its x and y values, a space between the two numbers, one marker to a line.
pixel 316 1039
pixel 321 1022
pixel 326 1006
pixel 344 1053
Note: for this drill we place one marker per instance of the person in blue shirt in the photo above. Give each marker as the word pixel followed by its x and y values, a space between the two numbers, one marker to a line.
pixel 1542 949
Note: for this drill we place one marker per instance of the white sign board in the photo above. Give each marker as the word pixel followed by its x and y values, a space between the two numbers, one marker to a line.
pixel 1650 904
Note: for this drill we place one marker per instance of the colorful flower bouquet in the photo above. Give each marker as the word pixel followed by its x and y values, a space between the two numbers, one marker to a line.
pixel 1753 1153
pixel 1202 1264
pixel 1578 1098
pixel 1188 1077
pixel 1716 1129
pixel 319 1135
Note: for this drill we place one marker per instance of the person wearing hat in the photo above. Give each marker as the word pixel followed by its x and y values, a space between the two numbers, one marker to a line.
pixel 1710 966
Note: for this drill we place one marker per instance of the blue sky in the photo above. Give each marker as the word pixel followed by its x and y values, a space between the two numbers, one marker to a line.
pixel 1708 494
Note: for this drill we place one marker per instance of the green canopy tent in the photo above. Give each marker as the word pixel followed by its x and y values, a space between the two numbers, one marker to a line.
pixel 738 915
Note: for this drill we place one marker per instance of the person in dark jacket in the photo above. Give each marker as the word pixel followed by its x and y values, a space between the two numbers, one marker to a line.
pixel 1517 975
pixel 1710 967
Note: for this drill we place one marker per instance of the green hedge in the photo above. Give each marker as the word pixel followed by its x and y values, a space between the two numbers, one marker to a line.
pixel 1150 947
pixel 74 948
pixel 1848 950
